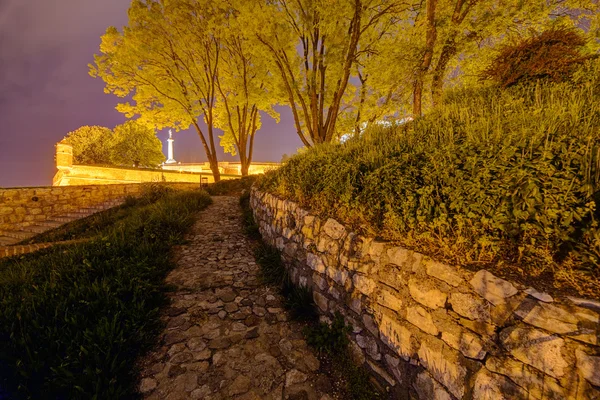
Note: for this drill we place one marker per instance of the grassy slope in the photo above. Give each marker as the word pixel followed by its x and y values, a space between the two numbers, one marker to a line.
pixel 73 319
pixel 506 179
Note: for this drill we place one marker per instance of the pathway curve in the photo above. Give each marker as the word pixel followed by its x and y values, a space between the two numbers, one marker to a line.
pixel 227 336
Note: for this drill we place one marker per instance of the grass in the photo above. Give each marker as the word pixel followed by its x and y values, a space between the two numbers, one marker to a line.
pixel 231 187
pixel 504 179
pixel 330 341
pixel 75 318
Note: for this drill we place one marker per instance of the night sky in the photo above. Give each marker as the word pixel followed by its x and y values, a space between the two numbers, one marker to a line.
pixel 45 89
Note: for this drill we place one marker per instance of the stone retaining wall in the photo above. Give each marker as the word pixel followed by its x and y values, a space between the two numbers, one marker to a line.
pixel 21 207
pixel 429 330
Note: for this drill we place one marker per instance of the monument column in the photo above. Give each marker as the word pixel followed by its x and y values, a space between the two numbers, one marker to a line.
pixel 170 158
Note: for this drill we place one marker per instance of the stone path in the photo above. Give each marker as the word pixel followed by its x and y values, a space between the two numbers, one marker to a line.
pixel 227 336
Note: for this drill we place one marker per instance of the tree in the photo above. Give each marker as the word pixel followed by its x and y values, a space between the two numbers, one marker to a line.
pixel 245 88
pixel 136 144
pixel 91 144
pixel 313 47
pixel 166 59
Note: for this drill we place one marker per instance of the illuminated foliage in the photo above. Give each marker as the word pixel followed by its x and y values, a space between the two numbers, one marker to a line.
pixel 91 144
pixel 137 145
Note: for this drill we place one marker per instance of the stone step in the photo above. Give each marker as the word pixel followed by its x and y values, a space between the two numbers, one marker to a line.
pixel 50 223
pixel 7 241
pixel 35 228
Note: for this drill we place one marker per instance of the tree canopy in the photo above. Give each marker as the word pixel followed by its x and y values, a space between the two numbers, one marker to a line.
pixel 91 144
pixel 137 145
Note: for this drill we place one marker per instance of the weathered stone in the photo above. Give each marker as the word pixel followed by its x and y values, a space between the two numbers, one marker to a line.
pixel 240 385
pixel 382 373
pixel 181 358
pixel 396 336
pixel 444 365
pixel 428 388
pixel 376 248
pixel 443 272
pixel 398 256
pixel 388 299
pixel 370 345
pixel 589 367
pixel 470 306
pixel 363 284
pixel 426 293
pixel 587 303
pixel 536 348
pixel 147 385
pixel 370 324
pixel 319 281
pixel 545 297
pixel 219 343
pixel 461 339
pixel 334 229
pixel 539 385
pixel 492 288
pixel 549 317
pixel 337 275
pixel 294 376
pixel 315 262
pixel 490 386
pixel 327 245
pixel 320 300
pixel 419 317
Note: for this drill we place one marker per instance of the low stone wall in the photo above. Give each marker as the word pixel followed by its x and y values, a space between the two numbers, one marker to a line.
pixel 429 330
pixel 25 206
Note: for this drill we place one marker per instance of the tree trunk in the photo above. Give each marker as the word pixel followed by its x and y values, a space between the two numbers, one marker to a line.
pixel 245 167
pixel 212 157
pixel 214 167
pixel 426 62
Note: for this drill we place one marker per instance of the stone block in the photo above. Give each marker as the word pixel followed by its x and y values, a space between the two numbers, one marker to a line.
pixel 327 245
pixel 339 276
pixel 390 300
pixel 536 348
pixel 4 210
pixel 376 249
pixel 369 344
pixel 356 353
pixel 587 303
pixel 588 366
pixel 461 339
pixel 381 373
pixel 492 288
pixel 321 301
pixel 363 284
pixel 426 293
pixel 398 256
pixel 469 306
pixel 490 386
pixel 315 262
pixel 370 324
pixel 443 272
pixel 444 364
pixel 428 388
pixel 396 336
pixel 539 385
pixel 419 317
pixel 545 297
pixel 320 281
pixel 334 229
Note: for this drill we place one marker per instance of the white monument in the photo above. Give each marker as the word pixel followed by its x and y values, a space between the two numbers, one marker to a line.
pixel 170 158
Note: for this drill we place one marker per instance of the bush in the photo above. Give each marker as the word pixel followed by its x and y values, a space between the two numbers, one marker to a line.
pixel 553 55
pixel 75 318
pixel 498 178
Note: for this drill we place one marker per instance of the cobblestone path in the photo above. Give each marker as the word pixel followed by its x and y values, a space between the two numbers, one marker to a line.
pixel 227 335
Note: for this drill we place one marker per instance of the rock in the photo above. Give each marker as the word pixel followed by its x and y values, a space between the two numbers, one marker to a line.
pixel 586 303
pixel 219 343
pixel 419 317
pixel 393 363
pixel 363 284
pixel 388 299
pixel 181 358
pixel 201 393
pixel 589 367
pixel 370 345
pixel 222 314
pixel 147 385
pixel 470 306
pixel 369 324
pixel 240 385
pixel 396 336
pixel 545 297
pixel 196 344
pixel 428 389
pixel 492 288
pixel 337 275
pixel 490 386
pixel 334 229
pixel 172 338
pixel 461 339
pixel 539 385
pixel 443 272
pixel 252 333
pixel 294 376
pixel 398 256
pixel 376 248
pixel 444 365
pixel 203 355
pixel 536 348
pixel 315 262
pixel 175 370
pixel 227 296
pixel 382 373
pixel 320 301
pixel 356 353
pixel 426 293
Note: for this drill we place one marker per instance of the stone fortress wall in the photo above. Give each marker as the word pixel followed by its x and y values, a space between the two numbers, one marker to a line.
pixel 70 174
pixel 435 330
pixel 26 206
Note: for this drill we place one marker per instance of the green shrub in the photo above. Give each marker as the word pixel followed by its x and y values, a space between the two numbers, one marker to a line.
pixel 331 339
pixel 493 177
pixel 553 54
pixel 231 187
pixel 73 319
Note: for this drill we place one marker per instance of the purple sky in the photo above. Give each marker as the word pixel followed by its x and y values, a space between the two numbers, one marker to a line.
pixel 45 89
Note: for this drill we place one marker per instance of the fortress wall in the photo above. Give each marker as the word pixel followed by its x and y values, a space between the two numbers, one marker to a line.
pixel 429 330
pixel 25 206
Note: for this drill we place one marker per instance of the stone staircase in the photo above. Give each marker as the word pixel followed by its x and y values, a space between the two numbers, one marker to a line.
pixel 10 238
